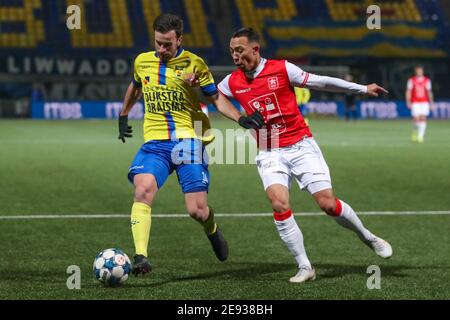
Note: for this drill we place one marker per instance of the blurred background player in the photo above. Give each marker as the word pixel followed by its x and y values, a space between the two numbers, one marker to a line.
pixel 419 99
pixel 175 134
pixel 302 95
pixel 292 151
pixel 350 105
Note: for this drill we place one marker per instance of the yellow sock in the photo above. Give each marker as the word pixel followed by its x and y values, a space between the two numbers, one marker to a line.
pixel 209 225
pixel 141 222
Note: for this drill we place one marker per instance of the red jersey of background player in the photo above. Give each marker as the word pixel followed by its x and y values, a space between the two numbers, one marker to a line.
pixel 419 87
pixel 269 89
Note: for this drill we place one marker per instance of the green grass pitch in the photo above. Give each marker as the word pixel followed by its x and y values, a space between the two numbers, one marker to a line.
pixel 80 167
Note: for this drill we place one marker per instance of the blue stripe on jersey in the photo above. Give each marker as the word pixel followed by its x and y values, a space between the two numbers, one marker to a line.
pixel 162 73
pixel 209 90
pixel 179 51
pixel 170 124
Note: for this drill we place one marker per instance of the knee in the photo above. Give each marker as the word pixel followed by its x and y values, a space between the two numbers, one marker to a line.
pixel 145 193
pixel 328 205
pixel 279 198
pixel 198 211
pixel 280 205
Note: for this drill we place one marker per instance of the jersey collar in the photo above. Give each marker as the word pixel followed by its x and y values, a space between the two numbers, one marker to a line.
pixel 179 52
pixel 254 73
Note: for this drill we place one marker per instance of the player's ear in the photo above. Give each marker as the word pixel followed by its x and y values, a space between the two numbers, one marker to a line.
pixel 256 49
pixel 179 40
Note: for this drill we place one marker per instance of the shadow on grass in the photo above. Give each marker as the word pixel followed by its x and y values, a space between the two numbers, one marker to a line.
pixel 235 271
pixel 328 270
pixel 259 271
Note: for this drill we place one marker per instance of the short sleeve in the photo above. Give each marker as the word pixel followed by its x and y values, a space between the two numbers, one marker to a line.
pixel 224 87
pixel 205 77
pixel 136 78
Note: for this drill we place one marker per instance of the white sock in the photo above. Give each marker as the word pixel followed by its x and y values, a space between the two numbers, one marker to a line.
pixel 348 219
pixel 422 128
pixel 293 238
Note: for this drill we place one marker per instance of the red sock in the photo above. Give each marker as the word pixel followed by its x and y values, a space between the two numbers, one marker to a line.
pixel 338 210
pixel 282 216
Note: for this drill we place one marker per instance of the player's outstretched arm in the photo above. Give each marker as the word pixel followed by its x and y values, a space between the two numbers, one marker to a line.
pixel 225 107
pixel 300 78
pixel 332 84
pixel 374 90
pixel 132 95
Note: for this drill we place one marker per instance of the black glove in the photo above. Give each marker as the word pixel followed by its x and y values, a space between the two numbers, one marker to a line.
pixel 253 121
pixel 124 129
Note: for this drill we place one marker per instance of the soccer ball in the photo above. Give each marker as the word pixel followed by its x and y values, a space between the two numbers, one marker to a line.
pixel 112 266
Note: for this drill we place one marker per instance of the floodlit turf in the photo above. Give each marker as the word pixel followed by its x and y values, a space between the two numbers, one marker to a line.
pixel 79 167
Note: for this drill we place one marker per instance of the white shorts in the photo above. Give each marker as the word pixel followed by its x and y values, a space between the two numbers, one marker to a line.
pixel 303 161
pixel 420 109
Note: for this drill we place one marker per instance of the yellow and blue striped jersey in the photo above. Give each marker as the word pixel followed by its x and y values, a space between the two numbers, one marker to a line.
pixel 172 108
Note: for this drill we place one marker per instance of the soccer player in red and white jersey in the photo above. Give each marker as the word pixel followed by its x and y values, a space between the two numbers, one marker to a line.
pixel 419 99
pixel 290 151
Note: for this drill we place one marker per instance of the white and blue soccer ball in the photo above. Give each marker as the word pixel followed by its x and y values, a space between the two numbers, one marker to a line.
pixel 112 267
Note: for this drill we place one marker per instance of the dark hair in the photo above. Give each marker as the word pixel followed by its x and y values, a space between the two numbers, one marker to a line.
pixel 249 33
pixel 167 22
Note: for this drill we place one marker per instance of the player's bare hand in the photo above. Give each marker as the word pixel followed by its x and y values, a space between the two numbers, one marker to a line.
pixel 374 90
pixel 192 79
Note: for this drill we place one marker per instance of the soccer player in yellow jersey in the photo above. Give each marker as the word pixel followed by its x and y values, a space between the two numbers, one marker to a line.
pixel 174 132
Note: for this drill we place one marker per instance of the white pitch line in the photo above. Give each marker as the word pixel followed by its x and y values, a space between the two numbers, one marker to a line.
pixel 234 215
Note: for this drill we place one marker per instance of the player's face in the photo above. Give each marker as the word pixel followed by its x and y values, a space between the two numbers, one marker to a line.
pixel 245 54
pixel 419 71
pixel 167 44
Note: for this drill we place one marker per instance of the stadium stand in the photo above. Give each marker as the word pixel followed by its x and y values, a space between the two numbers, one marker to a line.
pixel 38 23
pixel 124 26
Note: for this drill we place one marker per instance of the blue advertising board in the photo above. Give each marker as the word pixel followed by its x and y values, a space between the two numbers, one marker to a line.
pixel 111 110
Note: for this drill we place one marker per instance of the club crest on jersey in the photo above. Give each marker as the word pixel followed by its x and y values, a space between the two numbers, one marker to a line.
pixel 146 80
pixel 179 71
pixel 273 83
